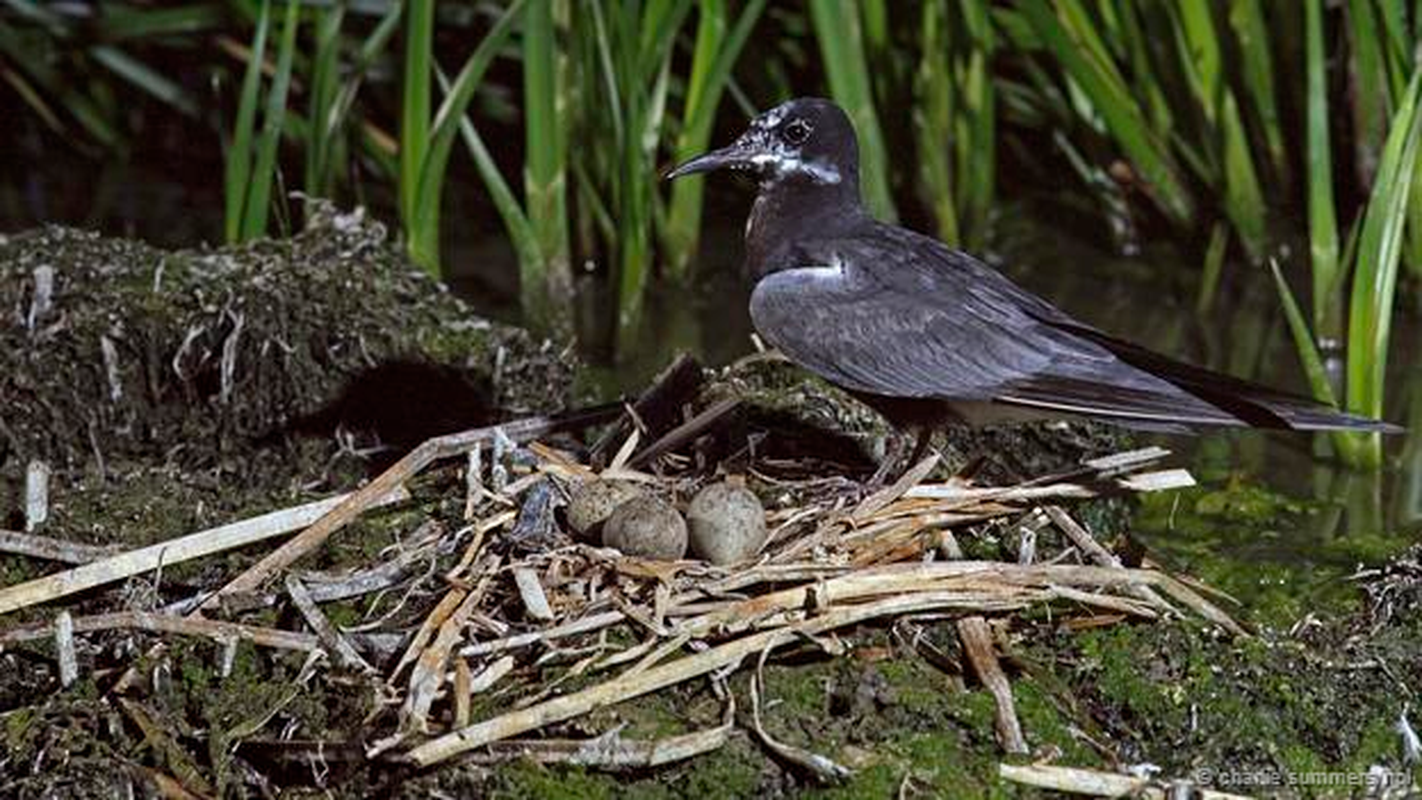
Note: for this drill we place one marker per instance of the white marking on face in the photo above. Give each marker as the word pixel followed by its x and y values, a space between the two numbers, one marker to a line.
pixel 784 162
pixel 772 118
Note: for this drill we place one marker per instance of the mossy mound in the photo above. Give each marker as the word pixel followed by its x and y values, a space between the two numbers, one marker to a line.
pixel 781 396
pixel 111 349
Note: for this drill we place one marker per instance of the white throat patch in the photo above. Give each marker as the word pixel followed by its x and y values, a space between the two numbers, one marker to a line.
pixel 782 164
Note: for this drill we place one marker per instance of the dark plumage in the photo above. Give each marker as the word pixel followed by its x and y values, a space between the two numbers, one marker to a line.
pixel 928 335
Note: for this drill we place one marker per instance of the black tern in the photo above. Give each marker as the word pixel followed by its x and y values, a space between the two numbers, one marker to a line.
pixel 928 335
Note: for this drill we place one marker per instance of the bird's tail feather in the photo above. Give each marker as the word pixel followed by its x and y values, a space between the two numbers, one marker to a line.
pixel 1256 405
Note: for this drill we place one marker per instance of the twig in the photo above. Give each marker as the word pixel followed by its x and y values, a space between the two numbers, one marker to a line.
pixel 824 770
pixel 173 551
pixel 659 405
pixel 322 627
pixel 1093 549
pixel 611 751
pixel 429 451
pixel 686 431
pixel 36 495
pixel 64 647
pixel 530 590
pixel 894 491
pixel 1097 783
pixel 576 704
pixel 977 644
pixel 164 623
pixel 52 549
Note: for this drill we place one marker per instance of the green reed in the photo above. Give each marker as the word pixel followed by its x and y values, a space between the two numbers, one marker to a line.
pixel 251 167
pixel 426 143
pixel 1375 272
pixel 955 118
pixel 838 26
pixel 1322 217
pixel 67 66
pixel 718 45
pixel 623 62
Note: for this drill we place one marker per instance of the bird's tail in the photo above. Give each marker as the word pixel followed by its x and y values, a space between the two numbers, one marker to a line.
pixel 1252 403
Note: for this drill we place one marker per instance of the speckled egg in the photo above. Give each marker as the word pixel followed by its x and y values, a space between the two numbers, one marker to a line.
pixel 594 501
pixel 727 524
pixel 647 527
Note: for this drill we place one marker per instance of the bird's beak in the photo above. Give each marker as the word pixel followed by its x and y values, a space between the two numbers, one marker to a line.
pixel 735 156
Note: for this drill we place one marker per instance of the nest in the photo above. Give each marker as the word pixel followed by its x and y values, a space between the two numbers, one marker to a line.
pixel 510 606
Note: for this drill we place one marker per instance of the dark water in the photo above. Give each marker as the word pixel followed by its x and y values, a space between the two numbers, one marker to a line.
pixel 1271 524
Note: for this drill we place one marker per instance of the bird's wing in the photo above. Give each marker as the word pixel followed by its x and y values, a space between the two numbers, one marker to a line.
pixel 896 314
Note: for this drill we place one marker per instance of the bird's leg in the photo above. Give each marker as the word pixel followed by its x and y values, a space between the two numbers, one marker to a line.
pixel 920 447
pixel 894 465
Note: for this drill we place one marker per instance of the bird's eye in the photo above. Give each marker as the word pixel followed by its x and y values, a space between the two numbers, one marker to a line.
pixel 797 132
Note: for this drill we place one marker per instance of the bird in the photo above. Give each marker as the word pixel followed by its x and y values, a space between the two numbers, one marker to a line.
pixel 930 336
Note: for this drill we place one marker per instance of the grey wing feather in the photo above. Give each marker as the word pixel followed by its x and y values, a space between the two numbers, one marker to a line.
pixel 943 325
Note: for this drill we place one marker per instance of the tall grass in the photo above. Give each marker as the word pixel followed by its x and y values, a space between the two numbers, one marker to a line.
pixel 425 144
pixel 545 280
pixel 252 154
pixel 59 62
pixel 955 118
pixel 838 28
pixel 625 64
pixel 1375 273
pixel 323 141
pixel 1187 106
pixel 1068 36
pixel 718 45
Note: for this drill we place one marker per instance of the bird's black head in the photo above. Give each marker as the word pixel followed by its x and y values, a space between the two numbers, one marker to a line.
pixel 805 142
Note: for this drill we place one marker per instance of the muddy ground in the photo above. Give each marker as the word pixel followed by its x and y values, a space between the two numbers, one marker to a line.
pixel 172 391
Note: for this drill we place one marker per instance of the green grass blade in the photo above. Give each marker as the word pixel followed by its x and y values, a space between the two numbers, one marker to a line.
pixel 545 280
pixel 976 129
pixel 1213 268
pixel 715 54
pixel 1375 275
pixel 236 178
pixel 1369 68
pixel 123 22
pixel 1246 18
pixel 370 50
pixel 323 94
pixel 1395 45
pixel 1322 219
pixel 683 227
pixel 32 98
pixel 1311 359
pixel 34 63
pixel 516 222
pixel 423 241
pixel 1199 47
pixel 837 25
pixel 1102 84
pixel 1243 197
pixel 264 167
pixel 415 104
pixel 1145 81
pixel 933 114
pixel 145 78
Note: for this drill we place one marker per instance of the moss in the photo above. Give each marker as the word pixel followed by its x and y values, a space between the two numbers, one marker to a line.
pixel 192 356
pixel 18 726
pixel 528 780
pixel 1296 564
